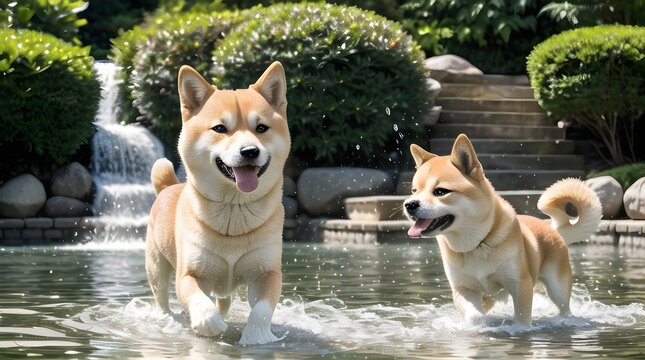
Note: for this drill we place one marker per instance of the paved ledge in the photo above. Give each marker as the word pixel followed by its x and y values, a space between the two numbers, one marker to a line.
pixel 624 233
pixel 627 233
pixel 42 230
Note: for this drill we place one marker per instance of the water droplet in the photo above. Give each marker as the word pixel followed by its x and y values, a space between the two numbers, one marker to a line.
pixel 387 111
pixel 358 147
pixel 396 127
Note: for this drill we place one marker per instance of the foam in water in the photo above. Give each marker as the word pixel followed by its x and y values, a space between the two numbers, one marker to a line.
pixel 327 325
pixel 122 157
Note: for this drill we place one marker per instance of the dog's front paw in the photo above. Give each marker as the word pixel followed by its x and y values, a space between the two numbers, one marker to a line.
pixel 206 320
pixel 473 317
pixel 253 335
pixel 258 328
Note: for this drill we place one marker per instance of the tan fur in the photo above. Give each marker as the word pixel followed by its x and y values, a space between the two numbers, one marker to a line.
pixel 488 247
pixel 208 232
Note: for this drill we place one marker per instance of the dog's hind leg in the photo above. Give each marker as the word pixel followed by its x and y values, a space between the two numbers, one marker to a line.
pixel 557 278
pixel 159 271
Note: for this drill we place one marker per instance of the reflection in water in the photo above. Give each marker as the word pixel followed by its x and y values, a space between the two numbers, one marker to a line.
pixel 378 302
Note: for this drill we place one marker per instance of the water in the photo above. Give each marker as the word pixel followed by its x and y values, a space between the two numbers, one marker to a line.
pixel 122 157
pixel 377 302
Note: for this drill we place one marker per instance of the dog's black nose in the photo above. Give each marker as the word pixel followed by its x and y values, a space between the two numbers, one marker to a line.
pixel 250 152
pixel 412 205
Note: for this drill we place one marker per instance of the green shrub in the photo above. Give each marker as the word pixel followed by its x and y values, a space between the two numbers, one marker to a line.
pixel 189 39
pixel 580 13
pixel 50 97
pixel 56 17
pixel 355 80
pixel 626 175
pixel 496 36
pixel 594 77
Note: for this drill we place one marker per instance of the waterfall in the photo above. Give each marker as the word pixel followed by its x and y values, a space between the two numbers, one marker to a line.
pixel 122 156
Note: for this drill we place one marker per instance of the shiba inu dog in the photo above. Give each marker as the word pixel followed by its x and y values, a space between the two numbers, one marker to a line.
pixel 223 227
pixel 485 247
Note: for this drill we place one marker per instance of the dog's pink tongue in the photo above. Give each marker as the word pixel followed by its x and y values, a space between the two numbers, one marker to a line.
pixel 246 178
pixel 418 227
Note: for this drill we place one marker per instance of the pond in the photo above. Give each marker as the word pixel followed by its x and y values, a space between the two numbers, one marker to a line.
pixel 376 302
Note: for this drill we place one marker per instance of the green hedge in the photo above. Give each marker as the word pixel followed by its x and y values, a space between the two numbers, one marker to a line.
pixel 355 80
pixel 50 97
pixel 596 78
pixel 56 17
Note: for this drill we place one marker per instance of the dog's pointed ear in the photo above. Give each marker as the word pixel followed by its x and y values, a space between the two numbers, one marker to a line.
pixel 194 90
pixel 464 157
pixel 272 85
pixel 420 155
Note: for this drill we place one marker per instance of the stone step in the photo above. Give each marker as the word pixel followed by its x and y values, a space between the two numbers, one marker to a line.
pixel 390 207
pixel 443 146
pixel 493 117
pixel 449 77
pixel 508 179
pixel 504 105
pixel 486 91
pixel 524 201
pixel 475 131
pixel 530 161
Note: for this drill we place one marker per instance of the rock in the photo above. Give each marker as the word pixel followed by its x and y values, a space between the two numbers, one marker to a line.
pixel 63 206
pixel 452 66
pixel 22 196
pixel 289 188
pixel 72 181
pixel 321 191
pixel 610 194
pixel 290 207
pixel 634 200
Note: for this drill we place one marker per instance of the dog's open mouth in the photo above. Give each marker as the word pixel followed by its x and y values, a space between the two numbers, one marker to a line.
pixel 427 226
pixel 246 177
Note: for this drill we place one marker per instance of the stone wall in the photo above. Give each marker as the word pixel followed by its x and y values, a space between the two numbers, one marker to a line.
pixel 42 230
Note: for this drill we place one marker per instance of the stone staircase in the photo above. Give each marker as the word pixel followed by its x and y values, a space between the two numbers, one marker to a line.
pixel 522 151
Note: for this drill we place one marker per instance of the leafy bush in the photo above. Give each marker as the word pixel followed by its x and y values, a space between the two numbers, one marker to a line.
pixel 626 175
pixel 355 79
pixel 56 17
pixel 188 39
pixel 579 13
pixel 50 97
pixel 495 36
pixel 594 77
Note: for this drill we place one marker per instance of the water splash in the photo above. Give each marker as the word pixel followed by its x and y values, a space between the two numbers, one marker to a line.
pixel 330 325
pixel 122 157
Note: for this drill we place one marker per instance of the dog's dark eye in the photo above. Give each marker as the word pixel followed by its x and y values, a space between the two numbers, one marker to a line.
pixel 440 192
pixel 261 128
pixel 220 129
pixel 414 190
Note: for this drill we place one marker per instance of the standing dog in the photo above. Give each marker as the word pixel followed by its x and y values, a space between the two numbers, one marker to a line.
pixel 484 245
pixel 223 227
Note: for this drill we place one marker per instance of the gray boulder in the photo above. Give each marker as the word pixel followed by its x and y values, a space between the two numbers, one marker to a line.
pixel 63 206
pixel 452 66
pixel 290 207
pixel 610 194
pixel 634 200
pixel 289 188
pixel 72 181
pixel 22 196
pixel 321 191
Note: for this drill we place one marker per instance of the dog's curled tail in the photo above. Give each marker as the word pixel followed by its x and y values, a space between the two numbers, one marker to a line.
pixel 163 175
pixel 574 208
